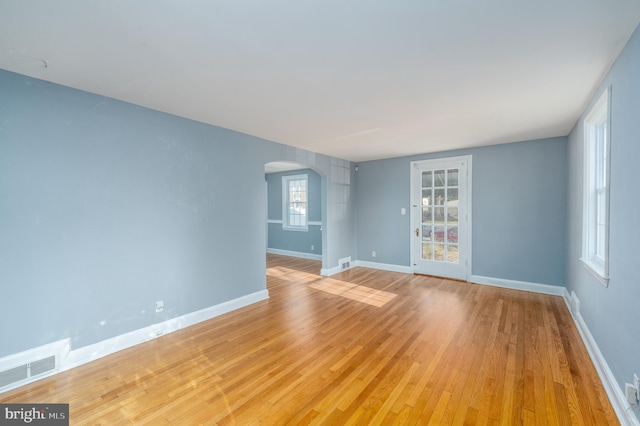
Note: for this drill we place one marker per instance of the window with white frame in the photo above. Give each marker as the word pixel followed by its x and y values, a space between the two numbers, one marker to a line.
pixel 595 234
pixel 294 202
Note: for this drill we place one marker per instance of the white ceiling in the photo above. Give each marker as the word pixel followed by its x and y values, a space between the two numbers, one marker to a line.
pixel 359 79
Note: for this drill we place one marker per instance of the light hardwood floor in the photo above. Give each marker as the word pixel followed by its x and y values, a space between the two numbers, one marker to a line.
pixel 361 347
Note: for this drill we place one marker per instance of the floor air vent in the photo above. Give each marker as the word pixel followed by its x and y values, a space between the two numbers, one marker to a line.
pixel 24 373
pixel 14 375
pixel 345 263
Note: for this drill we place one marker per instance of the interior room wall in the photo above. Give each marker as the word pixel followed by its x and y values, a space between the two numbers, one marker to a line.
pixel 612 314
pixel 107 207
pixel 518 210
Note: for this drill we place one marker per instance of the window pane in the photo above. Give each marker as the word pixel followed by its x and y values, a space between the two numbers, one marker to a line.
pixel 438 234
pixel 438 252
pixel 600 238
pixel 438 214
pixel 452 214
pixel 452 177
pixel 438 177
pixel 427 215
pixel 452 195
pixel 427 251
pixel 452 254
pixel 426 197
pixel 427 179
pixel 452 234
pixel 426 233
pixel 438 197
pixel 600 207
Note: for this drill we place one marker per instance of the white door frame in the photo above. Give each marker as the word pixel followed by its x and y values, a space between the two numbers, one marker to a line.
pixel 414 210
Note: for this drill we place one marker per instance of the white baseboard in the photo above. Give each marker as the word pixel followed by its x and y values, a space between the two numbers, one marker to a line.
pixel 384 266
pixel 295 254
pixel 553 290
pixel 623 410
pixel 68 359
pixel 337 269
pixel 331 271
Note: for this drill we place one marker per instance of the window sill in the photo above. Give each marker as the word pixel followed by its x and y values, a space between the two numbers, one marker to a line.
pixel 295 228
pixel 596 271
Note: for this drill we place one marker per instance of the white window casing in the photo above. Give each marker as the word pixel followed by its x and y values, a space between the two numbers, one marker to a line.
pixel 295 207
pixel 596 181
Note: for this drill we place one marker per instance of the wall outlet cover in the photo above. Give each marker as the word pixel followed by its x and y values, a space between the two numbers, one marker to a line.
pixel 631 392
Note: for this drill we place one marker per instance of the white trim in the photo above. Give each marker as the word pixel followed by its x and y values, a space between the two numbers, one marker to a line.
pixel 519 285
pixel 596 271
pixel 310 222
pixel 620 405
pixel 599 115
pixel 295 254
pixel 331 271
pixel 285 203
pixel 383 266
pixel 106 347
pixel 70 359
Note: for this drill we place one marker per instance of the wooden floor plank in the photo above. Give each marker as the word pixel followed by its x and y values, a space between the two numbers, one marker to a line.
pixel 361 347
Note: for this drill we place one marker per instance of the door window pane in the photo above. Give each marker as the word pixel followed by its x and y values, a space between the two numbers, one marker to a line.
pixel 426 197
pixel 438 252
pixel 452 215
pixel 452 234
pixel 452 195
pixel 438 214
pixel 427 251
pixel 427 215
pixel 438 177
pixel 452 177
pixel 452 254
pixel 427 179
pixel 426 233
pixel 438 197
pixel 438 234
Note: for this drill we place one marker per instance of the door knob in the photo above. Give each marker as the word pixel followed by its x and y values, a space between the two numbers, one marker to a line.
pixel 417 232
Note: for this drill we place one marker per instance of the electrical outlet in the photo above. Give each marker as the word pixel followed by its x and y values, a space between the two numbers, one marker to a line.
pixel 312 247
pixel 373 253
pixel 160 306
pixel 631 392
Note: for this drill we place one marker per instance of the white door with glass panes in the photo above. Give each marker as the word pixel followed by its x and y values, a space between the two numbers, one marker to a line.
pixel 440 217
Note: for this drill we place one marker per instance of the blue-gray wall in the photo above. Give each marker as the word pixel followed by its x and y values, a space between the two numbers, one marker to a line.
pixel 106 207
pixel 518 217
pixel 295 241
pixel 612 314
